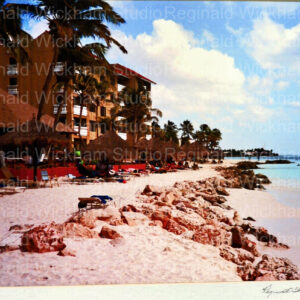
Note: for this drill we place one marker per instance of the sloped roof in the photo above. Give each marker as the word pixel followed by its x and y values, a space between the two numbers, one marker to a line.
pixel 121 70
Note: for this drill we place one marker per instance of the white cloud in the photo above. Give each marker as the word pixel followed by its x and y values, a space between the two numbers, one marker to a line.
pixel 295 104
pixel 282 85
pixel 192 81
pixel 208 39
pixel 35 28
pixel 274 47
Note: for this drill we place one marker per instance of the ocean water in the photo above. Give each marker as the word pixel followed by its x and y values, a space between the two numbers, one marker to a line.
pixel 285 188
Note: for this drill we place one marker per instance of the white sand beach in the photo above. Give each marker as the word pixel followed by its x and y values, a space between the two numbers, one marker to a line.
pixel 146 254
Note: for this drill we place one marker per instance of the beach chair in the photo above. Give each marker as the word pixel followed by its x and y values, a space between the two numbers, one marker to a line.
pixel 47 179
pixel 95 201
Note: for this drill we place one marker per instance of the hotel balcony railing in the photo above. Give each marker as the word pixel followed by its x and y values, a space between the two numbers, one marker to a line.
pixel 59 67
pixel 83 130
pixel 77 110
pixel 13 89
pixel 63 110
pixel 12 70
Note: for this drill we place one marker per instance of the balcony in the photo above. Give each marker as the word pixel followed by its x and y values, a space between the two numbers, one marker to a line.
pixel 63 110
pixel 12 70
pixel 59 67
pixel 13 89
pixel 83 130
pixel 77 110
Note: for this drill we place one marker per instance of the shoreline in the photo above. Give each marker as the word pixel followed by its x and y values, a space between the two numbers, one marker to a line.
pixel 146 247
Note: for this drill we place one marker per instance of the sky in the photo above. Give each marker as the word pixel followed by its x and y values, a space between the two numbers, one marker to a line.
pixel 232 65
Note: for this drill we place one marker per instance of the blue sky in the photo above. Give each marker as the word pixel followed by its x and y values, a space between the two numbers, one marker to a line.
pixel 234 66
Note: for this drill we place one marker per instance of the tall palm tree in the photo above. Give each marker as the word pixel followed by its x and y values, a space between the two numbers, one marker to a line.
pixel 136 111
pixel 12 36
pixel 187 131
pixel 69 21
pixel 171 132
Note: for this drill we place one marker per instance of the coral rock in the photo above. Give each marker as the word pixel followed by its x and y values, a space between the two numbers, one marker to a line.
pixel 109 233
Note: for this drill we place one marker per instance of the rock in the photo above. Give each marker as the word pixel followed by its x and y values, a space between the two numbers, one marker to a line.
pixel 109 233
pixel 263 179
pixel 71 230
pixel 44 238
pixel 174 227
pixel 20 228
pixel 246 165
pixel 87 219
pixel 212 235
pixel 153 190
pixel 278 161
pixel 237 256
pixel 187 223
pixel 266 277
pixel 169 198
pixel 156 223
pixel 249 219
pixel 167 249
pixel 237 219
pixel 133 219
pixel 162 216
pixel 280 268
pixel 8 248
pixel 237 237
pixel 247 272
pixel 66 252
pixel 221 191
pixel 129 207
pixel 108 214
pixel 250 246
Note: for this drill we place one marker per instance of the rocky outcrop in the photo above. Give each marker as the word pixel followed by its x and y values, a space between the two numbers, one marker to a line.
pixel 44 238
pixel 108 233
pixel 71 230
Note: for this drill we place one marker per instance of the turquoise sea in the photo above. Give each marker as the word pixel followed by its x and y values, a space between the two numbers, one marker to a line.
pixel 285 188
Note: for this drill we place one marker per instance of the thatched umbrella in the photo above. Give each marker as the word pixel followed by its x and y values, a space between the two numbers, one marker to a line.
pixel 34 134
pixel 157 148
pixel 109 146
pixel 193 151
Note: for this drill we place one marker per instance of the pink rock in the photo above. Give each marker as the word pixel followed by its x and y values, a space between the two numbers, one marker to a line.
pixel 77 230
pixel 109 233
pixel 153 190
pixel 66 252
pixel 44 238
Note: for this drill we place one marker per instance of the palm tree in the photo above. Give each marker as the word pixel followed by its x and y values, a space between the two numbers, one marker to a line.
pixel 136 111
pixel 69 21
pixel 11 33
pixel 214 138
pixel 171 132
pixel 187 129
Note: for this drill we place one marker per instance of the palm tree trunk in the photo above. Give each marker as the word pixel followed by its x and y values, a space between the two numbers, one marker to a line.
pixel 58 113
pixel 79 127
pixel 46 87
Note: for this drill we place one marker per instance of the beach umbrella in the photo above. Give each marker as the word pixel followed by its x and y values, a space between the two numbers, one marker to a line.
pixel 157 149
pixel 33 132
pixel 193 151
pixel 35 135
pixel 109 146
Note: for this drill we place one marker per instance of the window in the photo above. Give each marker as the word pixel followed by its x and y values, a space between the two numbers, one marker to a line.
pixel 93 125
pixel 76 122
pixel 59 99
pixel 103 111
pixel 12 61
pixel 93 108
pixel 13 81
pixel 77 100
pixel 102 127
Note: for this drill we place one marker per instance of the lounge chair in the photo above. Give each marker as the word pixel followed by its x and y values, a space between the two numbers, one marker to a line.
pixel 95 201
pixel 47 179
